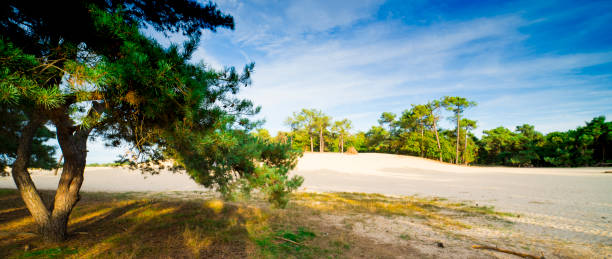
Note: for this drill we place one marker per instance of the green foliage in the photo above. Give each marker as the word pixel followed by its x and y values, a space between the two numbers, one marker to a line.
pixel 88 68
pixel 414 133
pixel 584 146
pixel 234 161
pixel 340 130
pixel 114 164
pixel 263 134
pixel 307 126
pixel 276 245
pixel 12 125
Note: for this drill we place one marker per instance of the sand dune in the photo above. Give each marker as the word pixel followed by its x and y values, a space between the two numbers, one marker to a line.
pixel 573 202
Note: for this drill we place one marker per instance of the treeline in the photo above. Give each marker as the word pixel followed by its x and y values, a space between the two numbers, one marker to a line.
pixel 416 132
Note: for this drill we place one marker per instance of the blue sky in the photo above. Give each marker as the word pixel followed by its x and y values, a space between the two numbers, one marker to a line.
pixel 545 63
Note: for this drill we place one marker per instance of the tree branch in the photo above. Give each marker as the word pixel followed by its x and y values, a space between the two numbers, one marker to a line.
pixel 20 173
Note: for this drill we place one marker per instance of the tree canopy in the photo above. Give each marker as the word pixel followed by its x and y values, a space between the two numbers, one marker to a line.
pixel 86 68
pixel 417 132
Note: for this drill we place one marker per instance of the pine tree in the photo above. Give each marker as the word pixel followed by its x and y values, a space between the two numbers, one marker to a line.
pixel 85 67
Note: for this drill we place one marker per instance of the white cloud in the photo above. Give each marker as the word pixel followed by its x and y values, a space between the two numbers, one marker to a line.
pixel 370 65
pixel 322 15
pixel 315 55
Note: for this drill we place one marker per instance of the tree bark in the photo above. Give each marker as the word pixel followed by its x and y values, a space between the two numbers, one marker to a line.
pixel 465 148
pixel 52 221
pixel 73 143
pixel 311 145
pixel 437 139
pixel 457 146
pixel 21 176
pixel 59 161
pixel 321 141
pixel 341 144
pixel 422 129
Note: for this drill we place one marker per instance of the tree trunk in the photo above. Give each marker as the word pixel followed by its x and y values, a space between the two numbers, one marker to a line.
pixel 422 129
pixel 321 141
pixel 457 146
pixel 52 220
pixel 437 139
pixel 465 148
pixel 311 145
pixel 22 178
pixel 74 147
pixel 59 161
pixel 341 144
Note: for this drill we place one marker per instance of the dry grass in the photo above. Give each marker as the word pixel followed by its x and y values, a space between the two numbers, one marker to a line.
pixel 103 226
pixel 127 225
pixel 437 212
pixel 199 225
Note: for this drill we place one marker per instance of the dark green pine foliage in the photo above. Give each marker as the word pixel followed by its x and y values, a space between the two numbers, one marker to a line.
pixel 413 133
pixel 10 129
pixel 86 67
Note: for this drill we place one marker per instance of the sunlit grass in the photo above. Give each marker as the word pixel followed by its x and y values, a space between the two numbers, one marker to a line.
pixel 129 226
pixel 16 224
pixel 425 208
pixel 120 226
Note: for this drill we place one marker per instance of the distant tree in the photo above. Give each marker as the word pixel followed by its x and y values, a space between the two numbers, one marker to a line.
pixel 304 121
pixel 358 140
pixel 377 139
pixel 310 122
pixel 420 115
pixel 467 126
pixel 263 134
pixel 530 143
pixel 457 105
pixel 322 122
pixel 497 145
pixel 601 133
pixel 433 107
pixel 295 123
pixel 387 118
pixel 341 128
pixel 281 137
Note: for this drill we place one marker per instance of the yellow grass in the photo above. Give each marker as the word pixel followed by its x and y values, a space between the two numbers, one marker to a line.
pixel 130 226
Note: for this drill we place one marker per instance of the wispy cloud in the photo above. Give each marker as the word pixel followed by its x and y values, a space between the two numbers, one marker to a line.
pixel 523 62
pixel 480 58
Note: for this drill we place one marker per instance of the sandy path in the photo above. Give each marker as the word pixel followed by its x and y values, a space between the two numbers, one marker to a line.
pixel 574 202
pixel 567 203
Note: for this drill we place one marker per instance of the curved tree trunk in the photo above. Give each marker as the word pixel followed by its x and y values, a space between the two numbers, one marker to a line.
pixel 52 220
pixel 22 178
pixel 73 143
pixel 437 139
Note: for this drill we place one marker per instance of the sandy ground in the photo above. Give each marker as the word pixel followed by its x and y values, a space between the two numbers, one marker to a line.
pixel 570 204
pixel 565 203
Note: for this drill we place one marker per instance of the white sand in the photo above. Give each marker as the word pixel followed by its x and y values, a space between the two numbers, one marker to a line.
pixel 563 201
pixel 569 203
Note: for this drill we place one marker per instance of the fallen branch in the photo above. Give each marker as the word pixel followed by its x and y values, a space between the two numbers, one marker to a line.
pixel 507 251
pixel 289 240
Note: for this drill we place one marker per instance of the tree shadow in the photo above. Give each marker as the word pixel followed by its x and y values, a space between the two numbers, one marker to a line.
pixel 128 228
